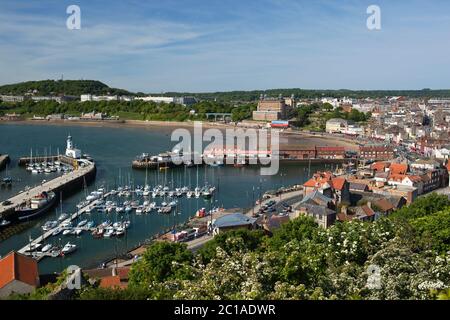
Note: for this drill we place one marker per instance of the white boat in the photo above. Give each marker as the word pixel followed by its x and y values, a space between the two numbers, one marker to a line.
pixel 33 246
pixel 120 232
pixel 119 209
pixel 109 233
pixel 189 194
pixel 46 248
pixel 56 231
pixel 77 231
pixel 67 232
pixel 139 210
pixel 68 248
pixel 82 223
pixel 63 217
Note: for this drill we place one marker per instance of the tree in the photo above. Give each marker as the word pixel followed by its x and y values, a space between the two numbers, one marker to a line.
pixel 162 261
pixel 230 241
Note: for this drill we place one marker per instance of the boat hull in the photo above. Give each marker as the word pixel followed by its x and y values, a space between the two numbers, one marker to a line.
pixel 23 215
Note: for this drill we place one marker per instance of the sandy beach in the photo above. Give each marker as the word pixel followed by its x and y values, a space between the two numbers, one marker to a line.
pixel 288 139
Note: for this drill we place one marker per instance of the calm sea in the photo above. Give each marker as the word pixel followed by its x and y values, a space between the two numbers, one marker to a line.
pixel 113 150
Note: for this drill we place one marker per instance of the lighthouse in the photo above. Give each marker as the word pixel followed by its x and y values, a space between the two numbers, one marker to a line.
pixel 71 151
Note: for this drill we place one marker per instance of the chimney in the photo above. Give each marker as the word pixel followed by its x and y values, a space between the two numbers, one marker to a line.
pixel 114 272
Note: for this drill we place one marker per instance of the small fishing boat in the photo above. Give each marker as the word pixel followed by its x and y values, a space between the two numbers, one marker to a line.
pixel 82 223
pixel 68 248
pixel 4 223
pixel 67 232
pixel 46 248
pixel 63 217
pixel 109 232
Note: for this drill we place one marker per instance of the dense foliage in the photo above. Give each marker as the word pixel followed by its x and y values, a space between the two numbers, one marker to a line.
pixel 410 252
pixel 315 115
pixel 59 87
pixel 135 110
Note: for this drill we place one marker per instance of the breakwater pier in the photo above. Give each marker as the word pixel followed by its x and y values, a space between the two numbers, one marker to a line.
pixel 84 172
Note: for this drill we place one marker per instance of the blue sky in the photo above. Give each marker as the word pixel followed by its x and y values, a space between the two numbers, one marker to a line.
pixel 211 45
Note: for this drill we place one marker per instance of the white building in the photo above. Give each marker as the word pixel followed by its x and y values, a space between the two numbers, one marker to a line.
pixel 90 97
pixel 336 125
pixel 71 151
pixel 157 99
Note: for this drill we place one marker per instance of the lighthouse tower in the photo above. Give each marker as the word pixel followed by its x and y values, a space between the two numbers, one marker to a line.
pixel 71 151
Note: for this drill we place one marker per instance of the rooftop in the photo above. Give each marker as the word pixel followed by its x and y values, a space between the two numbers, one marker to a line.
pixel 233 220
pixel 16 266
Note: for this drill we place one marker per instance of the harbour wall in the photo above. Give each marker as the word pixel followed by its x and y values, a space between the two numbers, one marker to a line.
pixel 66 185
pixel 142 165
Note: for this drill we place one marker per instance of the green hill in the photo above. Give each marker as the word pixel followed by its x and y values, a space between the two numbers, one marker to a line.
pixel 58 87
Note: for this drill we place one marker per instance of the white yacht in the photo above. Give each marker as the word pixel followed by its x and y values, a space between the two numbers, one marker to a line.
pixel 68 248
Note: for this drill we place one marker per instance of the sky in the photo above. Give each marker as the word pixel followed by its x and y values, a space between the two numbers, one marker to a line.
pixel 211 45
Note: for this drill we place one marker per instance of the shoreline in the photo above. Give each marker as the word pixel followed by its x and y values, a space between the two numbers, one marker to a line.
pixel 290 135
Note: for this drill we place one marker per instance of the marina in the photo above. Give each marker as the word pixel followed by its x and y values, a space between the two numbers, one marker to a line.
pixel 112 161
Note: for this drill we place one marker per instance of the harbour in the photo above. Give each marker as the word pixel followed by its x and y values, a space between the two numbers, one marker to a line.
pixel 113 154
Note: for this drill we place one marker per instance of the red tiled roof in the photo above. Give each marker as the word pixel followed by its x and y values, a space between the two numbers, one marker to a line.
pixel 380 166
pixel 397 177
pixel 384 205
pixel 16 266
pixel 338 183
pixel 310 183
pixel 398 168
pixel 112 282
pixel 367 210
pixel 319 179
pixel 448 166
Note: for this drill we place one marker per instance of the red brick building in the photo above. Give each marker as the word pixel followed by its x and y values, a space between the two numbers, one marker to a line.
pixel 376 152
pixel 330 152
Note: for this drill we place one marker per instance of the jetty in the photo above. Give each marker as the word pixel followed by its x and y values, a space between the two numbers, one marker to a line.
pixel 83 172
pixel 4 160
pixel 38 255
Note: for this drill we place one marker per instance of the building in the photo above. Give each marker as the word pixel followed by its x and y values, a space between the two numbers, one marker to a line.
pixel 271 109
pixel 18 274
pixel 5 98
pixel 71 151
pixel 336 125
pixel 93 116
pixel 90 97
pixel 323 216
pixel 111 278
pixel 376 153
pixel 330 152
pixel 157 99
pixel 232 222
pixel 298 154
pixel 185 101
